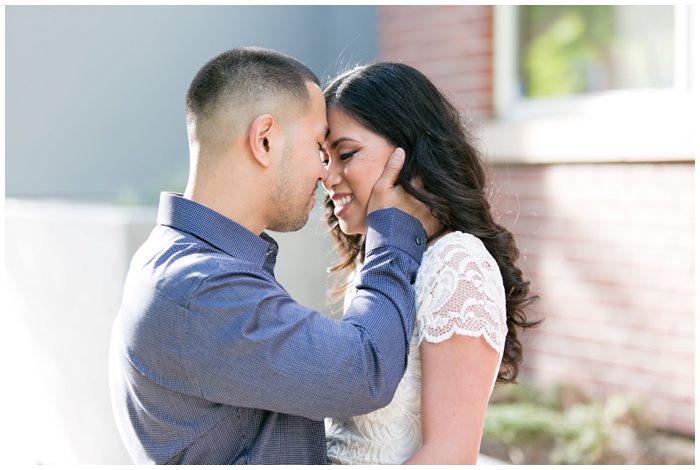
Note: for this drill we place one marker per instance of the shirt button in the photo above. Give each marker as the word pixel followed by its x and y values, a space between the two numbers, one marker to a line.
pixel 269 252
pixel 417 240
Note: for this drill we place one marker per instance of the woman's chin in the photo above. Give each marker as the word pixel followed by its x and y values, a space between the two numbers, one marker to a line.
pixel 345 229
pixel 352 230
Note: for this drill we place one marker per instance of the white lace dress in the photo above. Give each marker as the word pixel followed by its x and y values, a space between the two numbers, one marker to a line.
pixel 459 290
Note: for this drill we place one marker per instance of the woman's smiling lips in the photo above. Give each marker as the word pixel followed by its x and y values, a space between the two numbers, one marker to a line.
pixel 342 203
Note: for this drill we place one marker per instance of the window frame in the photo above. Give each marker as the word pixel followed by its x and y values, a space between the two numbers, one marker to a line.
pixel 612 126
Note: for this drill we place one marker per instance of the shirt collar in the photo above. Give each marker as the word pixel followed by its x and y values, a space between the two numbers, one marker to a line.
pixel 228 236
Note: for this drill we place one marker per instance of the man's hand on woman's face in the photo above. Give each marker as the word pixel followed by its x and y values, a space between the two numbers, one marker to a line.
pixel 387 193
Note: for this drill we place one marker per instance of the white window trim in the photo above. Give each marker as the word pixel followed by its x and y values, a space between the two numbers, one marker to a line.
pixel 615 126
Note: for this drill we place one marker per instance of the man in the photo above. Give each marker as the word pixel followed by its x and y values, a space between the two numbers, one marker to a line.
pixel 211 361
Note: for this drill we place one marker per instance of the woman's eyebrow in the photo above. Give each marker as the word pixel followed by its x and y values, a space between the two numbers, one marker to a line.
pixel 340 140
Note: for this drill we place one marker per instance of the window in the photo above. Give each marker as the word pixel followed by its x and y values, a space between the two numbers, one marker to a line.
pixel 576 49
pixel 621 74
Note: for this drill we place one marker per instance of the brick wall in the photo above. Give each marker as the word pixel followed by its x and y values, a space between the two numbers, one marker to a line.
pixel 609 247
pixel 451 44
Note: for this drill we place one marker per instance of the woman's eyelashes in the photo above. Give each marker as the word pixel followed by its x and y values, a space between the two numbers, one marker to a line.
pixel 345 156
pixel 325 159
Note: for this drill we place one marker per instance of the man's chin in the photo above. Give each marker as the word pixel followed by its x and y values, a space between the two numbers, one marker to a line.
pixel 289 226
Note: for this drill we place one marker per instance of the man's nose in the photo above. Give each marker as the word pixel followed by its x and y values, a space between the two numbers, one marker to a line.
pixel 324 173
pixel 331 177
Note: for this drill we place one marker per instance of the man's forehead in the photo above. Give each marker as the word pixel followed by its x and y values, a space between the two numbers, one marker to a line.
pixel 320 128
pixel 318 109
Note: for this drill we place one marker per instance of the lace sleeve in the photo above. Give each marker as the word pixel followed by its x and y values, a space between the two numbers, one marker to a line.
pixel 461 292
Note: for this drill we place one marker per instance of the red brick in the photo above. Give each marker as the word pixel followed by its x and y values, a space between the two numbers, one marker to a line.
pixel 609 247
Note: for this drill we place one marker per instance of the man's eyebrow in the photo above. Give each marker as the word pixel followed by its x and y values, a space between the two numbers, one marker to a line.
pixel 340 140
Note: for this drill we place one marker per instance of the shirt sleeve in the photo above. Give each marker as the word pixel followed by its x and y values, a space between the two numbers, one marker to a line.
pixel 462 294
pixel 250 344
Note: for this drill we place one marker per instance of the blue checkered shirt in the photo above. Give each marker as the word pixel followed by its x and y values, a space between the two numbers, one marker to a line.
pixel 212 362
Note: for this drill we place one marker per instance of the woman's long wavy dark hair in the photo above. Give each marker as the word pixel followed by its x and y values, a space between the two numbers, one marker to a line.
pixel 400 104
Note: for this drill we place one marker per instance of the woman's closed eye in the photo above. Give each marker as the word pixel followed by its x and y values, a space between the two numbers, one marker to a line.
pixel 345 156
pixel 325 156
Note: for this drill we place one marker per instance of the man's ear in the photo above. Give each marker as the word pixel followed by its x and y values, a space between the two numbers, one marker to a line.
pixel 259 138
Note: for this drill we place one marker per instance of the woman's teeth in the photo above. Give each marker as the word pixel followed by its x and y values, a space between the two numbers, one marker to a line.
pixel 344 200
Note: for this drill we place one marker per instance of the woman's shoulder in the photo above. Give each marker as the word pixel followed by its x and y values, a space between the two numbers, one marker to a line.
pixel 459 289
pixel 456 254
pixel 456 241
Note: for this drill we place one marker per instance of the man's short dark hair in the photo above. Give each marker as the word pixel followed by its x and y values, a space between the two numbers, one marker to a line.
pixel 246 75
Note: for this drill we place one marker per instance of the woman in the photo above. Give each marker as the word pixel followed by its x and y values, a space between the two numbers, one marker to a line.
pixel 470 295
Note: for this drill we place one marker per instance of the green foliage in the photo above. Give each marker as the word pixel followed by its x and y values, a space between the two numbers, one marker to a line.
pixel 516 422
pixel 564 47
pixel 577 431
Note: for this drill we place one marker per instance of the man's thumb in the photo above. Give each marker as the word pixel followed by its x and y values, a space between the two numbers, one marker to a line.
pixel 393 167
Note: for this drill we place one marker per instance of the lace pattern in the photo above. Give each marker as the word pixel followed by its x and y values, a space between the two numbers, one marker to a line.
pixel 459 290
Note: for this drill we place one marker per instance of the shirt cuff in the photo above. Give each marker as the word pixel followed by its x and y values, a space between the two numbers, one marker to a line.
pixel 396 228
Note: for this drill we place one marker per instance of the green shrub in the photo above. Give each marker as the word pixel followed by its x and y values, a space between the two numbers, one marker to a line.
pixel 576 427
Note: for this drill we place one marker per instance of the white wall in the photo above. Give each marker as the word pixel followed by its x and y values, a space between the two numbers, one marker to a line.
pixel 94 111
pixel 94 95
pixel 65 268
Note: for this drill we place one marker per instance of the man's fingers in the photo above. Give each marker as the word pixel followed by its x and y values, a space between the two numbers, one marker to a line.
pixel 392 169
pixel 385 192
